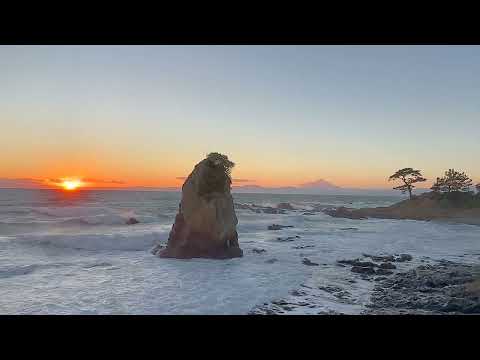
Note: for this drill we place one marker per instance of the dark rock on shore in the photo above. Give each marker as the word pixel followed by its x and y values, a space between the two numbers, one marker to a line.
pixel 303 247
pixel 132 221
pixel 404 257
pixel 156 248
pixel 271 261
pixel 363 270
pixel 258 251
pixel 286 239
pixel 357 262
pixel 385 258
pixel 278 227
pixel 390 258
pixel 307 262
pixel 387 265
pixel 285 206
pixel 443 288
pixel 344 212
pixel 383 272
pixel 259 209
pixel 269 210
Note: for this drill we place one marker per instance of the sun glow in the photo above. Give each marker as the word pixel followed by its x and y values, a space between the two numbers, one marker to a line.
pixel 71 184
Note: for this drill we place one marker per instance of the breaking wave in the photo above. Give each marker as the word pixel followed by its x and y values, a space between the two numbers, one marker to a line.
pixel 131 241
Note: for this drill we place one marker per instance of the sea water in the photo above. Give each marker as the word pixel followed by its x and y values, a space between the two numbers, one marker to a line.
pixel 73 253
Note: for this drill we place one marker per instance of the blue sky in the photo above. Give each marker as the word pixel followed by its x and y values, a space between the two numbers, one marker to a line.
pixel 285 114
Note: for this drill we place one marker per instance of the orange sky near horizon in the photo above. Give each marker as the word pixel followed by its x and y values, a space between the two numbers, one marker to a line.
pixel 122 172
pixel 286 115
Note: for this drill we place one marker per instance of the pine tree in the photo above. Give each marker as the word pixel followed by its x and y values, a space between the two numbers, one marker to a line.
pixel 409 177
pixel 453 181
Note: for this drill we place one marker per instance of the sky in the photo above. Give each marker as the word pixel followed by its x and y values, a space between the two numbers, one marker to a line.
pixel 145 115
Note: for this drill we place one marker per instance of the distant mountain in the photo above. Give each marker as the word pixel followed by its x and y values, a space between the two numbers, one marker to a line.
pixel 319 184
pixel 320 187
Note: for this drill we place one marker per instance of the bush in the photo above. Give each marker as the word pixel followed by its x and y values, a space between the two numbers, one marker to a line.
pixel 458 199
pixel 453 181
pixel 218 177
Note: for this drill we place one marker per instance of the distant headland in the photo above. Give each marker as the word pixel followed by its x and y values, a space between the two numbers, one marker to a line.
pixel 451 199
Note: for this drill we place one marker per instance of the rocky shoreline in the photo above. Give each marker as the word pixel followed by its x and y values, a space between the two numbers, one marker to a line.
pixel 393 285
pixel 443 288
pixel 425 207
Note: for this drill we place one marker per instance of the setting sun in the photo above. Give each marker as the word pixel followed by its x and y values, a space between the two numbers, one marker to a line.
pixel 71 184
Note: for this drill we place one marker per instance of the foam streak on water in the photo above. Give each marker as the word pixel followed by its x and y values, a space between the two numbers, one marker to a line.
pixel 74 254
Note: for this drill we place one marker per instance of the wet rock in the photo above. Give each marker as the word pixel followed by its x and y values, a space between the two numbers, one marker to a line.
pixel 330 289
pixel 132 221
pixel 270 210
pixel 349 228
pixel 363 270
pixel 357 262
pixel 404 257
pixel 258 251
pixel 271 261
pixel 384 258
pixel 297 293
pixel 308 213
pixel 383 272
pixel 242 206
pixel 303 247
pixel 156 248
pixel 428 289
pixel 278 227
pixel 387 265
pixel 285 206
pixel 286 239
pixel 307 262
pixel 343 212
pixel 259 209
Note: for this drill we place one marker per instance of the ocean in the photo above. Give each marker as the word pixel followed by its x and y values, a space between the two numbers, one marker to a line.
pixel 73 253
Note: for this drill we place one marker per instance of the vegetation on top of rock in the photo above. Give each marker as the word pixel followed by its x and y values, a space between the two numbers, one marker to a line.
pixel 220 160
pixel 453 181
pixel 408 176
pixel 454 191
pixel 218 177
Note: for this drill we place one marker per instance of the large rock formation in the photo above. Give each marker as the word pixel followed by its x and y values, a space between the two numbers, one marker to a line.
pixel 205 225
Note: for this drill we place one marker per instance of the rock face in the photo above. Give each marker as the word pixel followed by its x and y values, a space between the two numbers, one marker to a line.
pixel 205 225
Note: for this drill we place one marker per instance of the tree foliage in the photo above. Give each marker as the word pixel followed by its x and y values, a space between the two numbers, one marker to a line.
pixel 408 176
pixel 220 160
pixel 218 177
pixel 478 188
pixel 453 181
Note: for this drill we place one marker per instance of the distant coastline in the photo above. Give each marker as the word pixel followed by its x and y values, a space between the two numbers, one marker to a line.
pixel 241 190
pixel 427 207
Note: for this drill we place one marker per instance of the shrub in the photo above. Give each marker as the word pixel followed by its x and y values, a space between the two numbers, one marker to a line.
pixel 217 178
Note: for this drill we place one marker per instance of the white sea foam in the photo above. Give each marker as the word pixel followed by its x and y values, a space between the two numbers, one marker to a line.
pixel 118 241
pixel 105 267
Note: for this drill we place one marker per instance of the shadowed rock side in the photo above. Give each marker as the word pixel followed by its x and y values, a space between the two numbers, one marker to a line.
pixel 205 225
